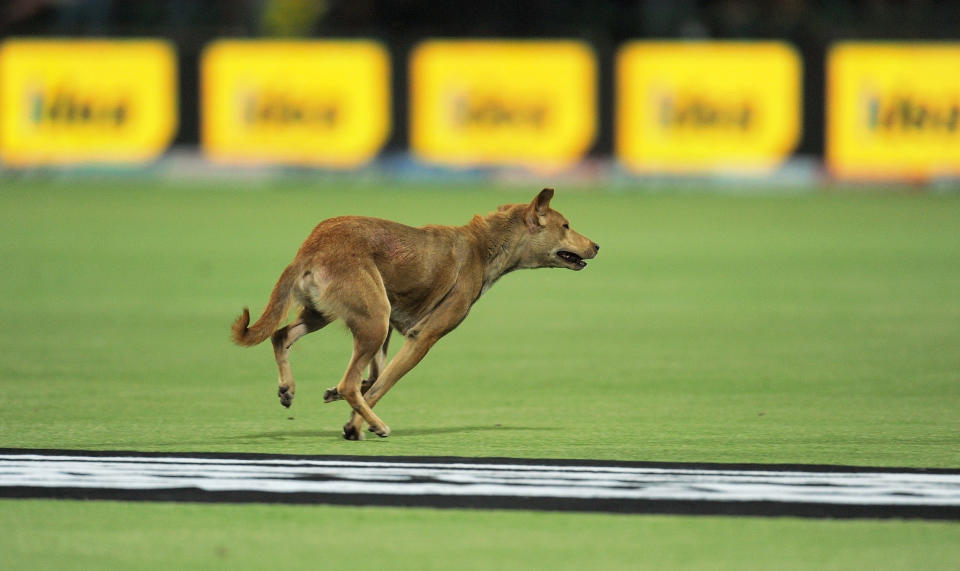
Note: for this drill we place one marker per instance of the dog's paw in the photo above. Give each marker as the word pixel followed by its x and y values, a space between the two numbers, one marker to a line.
pixel 331 395
pixel 382 432
pixel 351 432
pixel 286 396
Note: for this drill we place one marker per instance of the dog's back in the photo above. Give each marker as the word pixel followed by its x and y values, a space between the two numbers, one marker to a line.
pixel 416 266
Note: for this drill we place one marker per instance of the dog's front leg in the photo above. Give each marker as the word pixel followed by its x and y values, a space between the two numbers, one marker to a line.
pixel 377 365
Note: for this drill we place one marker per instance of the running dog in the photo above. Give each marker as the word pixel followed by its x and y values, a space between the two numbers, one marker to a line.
pixel 377 276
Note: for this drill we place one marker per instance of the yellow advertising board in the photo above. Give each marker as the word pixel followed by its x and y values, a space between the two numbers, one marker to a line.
pixel 486 102
pixel 77 101
pixel 689 107
pixel 893 110
pixel 319 103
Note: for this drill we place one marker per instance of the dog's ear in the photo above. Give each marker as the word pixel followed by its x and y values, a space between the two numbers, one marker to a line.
pixel 538 209
pixel 542 201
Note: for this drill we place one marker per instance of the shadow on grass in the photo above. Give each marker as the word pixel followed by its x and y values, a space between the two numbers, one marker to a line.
pixel 461 429
pixel 284 435
pixel 295 434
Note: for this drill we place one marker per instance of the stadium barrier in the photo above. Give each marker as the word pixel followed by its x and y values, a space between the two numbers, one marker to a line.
pixel 689 108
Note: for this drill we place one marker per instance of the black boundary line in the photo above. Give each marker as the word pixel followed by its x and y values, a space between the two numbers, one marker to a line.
pixel 621 506
pixel 615 506
pixel 826 468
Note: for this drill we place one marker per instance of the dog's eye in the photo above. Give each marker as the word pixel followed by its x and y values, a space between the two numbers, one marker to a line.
pixel 566 226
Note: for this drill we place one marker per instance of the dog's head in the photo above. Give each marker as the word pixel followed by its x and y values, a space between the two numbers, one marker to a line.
pixel 552 243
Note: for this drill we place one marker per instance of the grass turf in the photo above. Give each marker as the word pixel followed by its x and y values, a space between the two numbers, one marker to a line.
pixel 818 329
pixel 46 534
pixel 811 329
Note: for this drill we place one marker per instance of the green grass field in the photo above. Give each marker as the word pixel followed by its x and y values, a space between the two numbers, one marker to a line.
pixel 815 328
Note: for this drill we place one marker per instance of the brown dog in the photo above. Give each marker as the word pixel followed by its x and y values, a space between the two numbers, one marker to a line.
pixel 379 275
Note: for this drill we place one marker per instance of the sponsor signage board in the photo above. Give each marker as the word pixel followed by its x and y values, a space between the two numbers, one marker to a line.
pixel 312 103
pixel 83 101
pixel 696 107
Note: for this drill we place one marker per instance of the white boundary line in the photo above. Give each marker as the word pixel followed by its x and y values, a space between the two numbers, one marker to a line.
pixel 503 480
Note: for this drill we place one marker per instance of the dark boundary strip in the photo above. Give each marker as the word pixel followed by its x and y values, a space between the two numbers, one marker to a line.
pixel 619 506
pixel 664 507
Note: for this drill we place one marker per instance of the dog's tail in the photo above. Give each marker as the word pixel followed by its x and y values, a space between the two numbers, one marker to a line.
pixel 273 314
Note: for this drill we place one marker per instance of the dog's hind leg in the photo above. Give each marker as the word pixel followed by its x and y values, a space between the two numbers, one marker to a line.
pixel 376 366
pixel 309 321
pixel 366 311
pixel 407 357
pixel 368 337
pixel 419 341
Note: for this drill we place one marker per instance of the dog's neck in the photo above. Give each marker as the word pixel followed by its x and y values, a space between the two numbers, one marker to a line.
pixel 498 237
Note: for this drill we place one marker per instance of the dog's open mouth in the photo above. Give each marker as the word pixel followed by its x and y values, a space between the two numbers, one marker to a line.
pixel 575 261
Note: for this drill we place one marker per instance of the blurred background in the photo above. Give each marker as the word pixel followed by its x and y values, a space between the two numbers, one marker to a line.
pixel 810 91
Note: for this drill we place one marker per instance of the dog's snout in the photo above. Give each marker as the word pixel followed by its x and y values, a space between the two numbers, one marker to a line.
pixel 596 247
